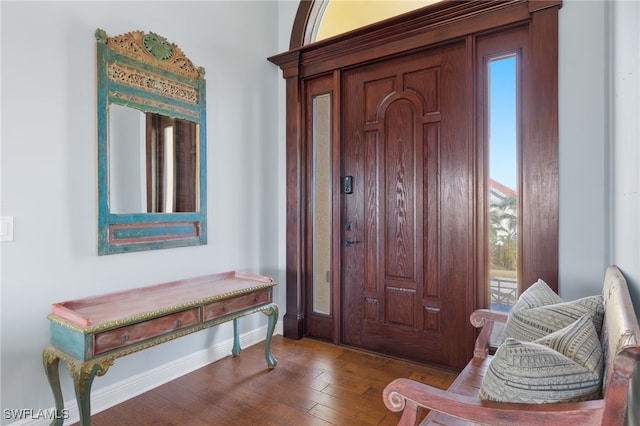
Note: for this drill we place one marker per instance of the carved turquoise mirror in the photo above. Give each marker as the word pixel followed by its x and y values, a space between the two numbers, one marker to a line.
pixel 151 145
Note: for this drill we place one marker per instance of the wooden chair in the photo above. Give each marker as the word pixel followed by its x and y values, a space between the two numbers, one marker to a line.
pixel 460 405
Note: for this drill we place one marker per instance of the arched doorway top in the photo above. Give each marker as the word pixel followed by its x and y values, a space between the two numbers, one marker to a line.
pixel 321 19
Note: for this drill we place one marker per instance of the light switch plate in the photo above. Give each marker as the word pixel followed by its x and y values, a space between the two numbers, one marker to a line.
pixel 6 228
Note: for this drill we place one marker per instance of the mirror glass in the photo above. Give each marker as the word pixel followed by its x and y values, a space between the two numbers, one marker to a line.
pixel 153 162
pixel 127 181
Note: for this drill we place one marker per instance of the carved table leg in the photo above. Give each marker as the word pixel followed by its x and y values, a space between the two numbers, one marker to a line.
pixel 272 313
pixel 236 339
pixel 83 375
pixel 51 361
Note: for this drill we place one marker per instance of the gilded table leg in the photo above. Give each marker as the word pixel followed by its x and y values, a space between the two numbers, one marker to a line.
pixel 51 361
pixel 83 374
pixel 272 313
pixel 236 339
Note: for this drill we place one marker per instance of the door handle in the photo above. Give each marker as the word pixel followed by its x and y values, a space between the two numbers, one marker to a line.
pixel 350 242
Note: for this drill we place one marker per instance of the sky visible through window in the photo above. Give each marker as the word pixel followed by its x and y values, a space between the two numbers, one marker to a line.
pixel 502 128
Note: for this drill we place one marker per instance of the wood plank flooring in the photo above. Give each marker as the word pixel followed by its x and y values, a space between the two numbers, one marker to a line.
pixel 315 383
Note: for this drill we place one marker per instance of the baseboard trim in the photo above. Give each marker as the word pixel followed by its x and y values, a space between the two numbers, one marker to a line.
pixel 116 393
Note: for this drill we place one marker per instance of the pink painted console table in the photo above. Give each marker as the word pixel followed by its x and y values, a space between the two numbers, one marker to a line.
pixel 89 334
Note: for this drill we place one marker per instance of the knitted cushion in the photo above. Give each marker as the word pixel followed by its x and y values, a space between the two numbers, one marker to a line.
pixel 539 294
pixel 564 366
pixel 580 342
pixel 530 324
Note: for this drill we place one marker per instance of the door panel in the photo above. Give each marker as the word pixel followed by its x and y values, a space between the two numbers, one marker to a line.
pixel 407 288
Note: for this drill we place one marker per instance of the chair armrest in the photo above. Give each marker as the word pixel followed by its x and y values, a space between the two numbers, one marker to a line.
pixel 411 396
pixel 482 316
pixel 485 318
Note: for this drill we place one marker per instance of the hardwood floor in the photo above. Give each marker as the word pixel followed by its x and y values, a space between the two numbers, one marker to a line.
pixel 315 383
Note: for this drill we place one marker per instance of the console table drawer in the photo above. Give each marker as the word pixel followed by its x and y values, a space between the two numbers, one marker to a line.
pixel 124 336
pixel 226 307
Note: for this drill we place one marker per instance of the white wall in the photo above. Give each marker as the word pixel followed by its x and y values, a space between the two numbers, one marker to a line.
pixel 599 44
pixel 624 89
pixel 599 94
pixel 48 173
pixel 583 147
pixel 624 106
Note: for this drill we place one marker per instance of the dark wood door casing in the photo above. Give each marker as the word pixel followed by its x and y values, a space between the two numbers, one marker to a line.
pixel 426 28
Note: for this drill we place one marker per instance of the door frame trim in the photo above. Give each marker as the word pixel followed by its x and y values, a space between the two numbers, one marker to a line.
pixel 415 30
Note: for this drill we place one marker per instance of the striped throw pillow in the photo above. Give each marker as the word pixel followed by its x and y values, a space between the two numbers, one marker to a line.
pixel 529 324
pixel 539 294
pixel 564 366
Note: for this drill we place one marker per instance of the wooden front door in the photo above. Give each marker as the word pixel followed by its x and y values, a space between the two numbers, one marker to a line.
pixel 407 248
pixel 408 228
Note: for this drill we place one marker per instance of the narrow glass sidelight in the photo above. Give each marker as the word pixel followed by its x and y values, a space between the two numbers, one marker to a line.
pixel 503 181
pixel 321 199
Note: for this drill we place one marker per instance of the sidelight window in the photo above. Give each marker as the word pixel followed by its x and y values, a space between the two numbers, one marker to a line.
pixel 503 181
pixel 321 143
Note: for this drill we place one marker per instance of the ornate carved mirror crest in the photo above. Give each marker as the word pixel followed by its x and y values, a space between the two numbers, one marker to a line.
pixel 151 145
